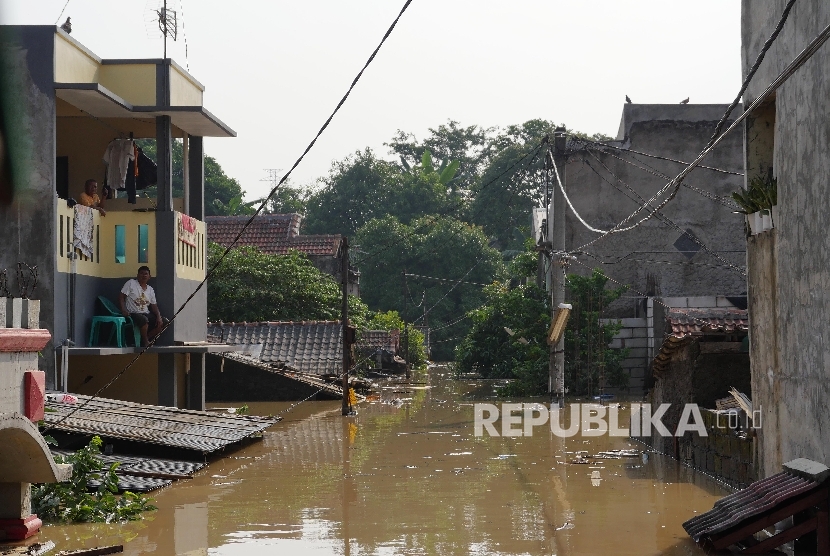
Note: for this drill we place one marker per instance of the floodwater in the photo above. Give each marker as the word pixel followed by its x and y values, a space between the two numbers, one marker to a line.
pixel 413 479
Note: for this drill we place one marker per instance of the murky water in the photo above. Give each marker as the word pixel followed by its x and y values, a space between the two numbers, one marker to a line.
pixel 414 480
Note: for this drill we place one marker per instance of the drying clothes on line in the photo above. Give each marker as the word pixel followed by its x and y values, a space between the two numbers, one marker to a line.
pixel 83 229
pixel 117 156
pixel 141 174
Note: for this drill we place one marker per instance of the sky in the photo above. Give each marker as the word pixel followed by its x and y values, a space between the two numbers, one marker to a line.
pixel 274 70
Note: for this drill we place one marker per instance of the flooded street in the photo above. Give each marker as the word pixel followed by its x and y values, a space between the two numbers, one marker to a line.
pixel 414 479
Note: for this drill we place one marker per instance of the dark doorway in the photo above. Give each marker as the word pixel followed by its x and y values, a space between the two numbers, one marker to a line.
pixel 62 176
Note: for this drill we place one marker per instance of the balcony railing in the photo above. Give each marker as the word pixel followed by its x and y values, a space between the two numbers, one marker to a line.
pixel 124 240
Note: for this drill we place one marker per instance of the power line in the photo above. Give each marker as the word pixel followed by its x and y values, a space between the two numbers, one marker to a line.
pixel 752 70
pixel 448 291
pixel 651 170
pixel 445 280
pixel 791 68
pixel 250 220
pixel 668 159
pixel 666 219
pixel 61 14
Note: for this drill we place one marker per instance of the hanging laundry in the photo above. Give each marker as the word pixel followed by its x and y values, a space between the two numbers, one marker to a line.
pixel 82 229
pixel 141 174
pixel 117 157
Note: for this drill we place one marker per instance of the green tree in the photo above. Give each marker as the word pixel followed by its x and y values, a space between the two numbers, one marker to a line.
pixel 432 247
pixel 391 320
pixel 468 146
pixel 507 338
pixel 220 189
pixel 251 286
pixel 588 359
pixel 356 190
pixel 72 501
pixel 362 187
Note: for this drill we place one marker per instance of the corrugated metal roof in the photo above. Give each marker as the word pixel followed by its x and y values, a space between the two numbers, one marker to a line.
pixel 313 347
pixel 739 515
pixel 166 426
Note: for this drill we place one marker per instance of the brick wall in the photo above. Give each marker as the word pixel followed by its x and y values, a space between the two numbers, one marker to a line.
pixel 723 453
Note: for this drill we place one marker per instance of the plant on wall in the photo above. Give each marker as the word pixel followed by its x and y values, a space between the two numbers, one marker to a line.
pixel 761 194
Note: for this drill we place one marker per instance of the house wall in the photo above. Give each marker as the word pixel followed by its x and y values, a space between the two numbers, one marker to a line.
pixel 675 131
pixel 88 373
pixel 696 375
pixel 29 222
pixel 789 270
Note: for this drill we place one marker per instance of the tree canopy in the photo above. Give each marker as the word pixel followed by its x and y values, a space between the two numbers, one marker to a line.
pixel 252 286
pixel 430 247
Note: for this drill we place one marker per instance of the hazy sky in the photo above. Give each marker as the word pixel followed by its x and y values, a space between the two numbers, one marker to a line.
pixel 274 70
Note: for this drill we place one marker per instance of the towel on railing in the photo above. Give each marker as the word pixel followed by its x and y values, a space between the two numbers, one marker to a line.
pixel 187 229
pixel 83 229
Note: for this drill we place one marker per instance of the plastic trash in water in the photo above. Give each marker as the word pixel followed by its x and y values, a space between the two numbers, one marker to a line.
pixel 62 398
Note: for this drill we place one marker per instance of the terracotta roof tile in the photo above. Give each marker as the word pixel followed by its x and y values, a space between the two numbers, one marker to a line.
pixel 274 234
pixel 684 326
pixel 695 322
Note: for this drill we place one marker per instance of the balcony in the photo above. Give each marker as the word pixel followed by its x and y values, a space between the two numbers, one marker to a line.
pixel 122 241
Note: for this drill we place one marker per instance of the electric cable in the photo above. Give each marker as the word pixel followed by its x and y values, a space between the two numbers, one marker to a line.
pixel 247 224
pixel 666 158
pixel 668 220
pixel 791 68
pixel 752 70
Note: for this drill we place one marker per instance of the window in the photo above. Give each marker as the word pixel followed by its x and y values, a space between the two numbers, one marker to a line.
pixel 143 253
pixel 120 244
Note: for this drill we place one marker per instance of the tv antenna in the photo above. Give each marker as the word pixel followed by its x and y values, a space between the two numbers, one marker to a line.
pixel 162 20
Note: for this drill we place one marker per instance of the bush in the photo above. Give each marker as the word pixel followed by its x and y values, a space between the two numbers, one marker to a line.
pixel 72 502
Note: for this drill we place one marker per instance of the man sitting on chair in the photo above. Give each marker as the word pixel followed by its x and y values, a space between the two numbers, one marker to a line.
pixel 138 300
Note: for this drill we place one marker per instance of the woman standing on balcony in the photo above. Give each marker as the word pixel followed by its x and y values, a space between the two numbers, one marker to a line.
pixel 138 301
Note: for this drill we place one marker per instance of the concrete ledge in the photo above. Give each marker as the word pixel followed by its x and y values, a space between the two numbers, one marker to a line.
pixel 23 339
pixel 808 469
pixel 25 457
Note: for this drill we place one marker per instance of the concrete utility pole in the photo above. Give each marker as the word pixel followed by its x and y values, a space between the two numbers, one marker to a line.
pixel 556 235
pixel 344 280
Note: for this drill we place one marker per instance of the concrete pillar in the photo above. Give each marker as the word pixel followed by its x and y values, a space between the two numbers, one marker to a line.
pixel 196 382
pixel 164 154
pixel 15 500
pixel 168 386
pixel 196 168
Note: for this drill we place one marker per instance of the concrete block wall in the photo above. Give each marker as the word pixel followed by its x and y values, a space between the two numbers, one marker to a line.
pixel 643 339
pixel 722 453
pixel 634 336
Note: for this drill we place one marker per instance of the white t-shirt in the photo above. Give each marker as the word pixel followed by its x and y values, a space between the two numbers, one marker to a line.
pixel 138 300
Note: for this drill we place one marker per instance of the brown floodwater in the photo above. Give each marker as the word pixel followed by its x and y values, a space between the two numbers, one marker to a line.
pixel 414 479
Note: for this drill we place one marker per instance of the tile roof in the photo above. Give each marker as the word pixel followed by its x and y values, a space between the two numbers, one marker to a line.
pixel 263 231
pixel 696 322
pixel 313 347
pixel 371 340
pixel 684 326
pixel 274 234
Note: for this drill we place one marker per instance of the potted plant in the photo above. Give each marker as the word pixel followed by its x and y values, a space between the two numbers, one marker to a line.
pixel 759 202
pixel 750 208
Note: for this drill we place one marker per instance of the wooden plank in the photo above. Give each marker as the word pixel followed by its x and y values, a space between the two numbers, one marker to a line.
pixel 783 537
pixel 769 517
pixel 99 551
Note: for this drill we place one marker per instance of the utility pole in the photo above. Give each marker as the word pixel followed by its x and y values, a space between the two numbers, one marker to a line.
pixel 405 327
pixel 556 233
pixel 344 280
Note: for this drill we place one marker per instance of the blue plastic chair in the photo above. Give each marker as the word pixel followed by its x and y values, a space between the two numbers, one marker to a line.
pixel 119 325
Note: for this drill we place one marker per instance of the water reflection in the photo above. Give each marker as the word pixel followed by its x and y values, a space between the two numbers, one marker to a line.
pixel 410 477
